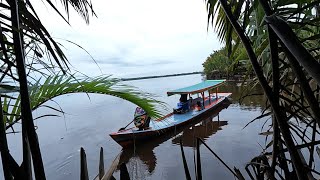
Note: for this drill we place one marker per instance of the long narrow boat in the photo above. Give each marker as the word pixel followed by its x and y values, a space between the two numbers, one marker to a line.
pixel 172 122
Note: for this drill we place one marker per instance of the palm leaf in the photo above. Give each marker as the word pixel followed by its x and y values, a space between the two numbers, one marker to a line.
pixel 59 85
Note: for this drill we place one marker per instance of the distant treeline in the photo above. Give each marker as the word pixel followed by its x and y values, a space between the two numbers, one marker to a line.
pixel 168 75
pixel 222 65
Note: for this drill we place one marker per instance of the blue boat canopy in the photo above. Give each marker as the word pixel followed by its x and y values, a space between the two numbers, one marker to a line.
pixel 197 88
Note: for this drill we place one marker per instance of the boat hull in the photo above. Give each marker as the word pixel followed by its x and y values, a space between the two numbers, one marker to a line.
pixel 128 139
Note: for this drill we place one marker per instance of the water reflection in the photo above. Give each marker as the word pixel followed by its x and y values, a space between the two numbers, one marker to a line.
pixel 249 102
pixel 204 130
pixel 61 138
pixel 142 159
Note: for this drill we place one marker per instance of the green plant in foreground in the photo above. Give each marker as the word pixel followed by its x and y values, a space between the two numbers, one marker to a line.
pixel 281 39
pixel 62 84
pixel 28 54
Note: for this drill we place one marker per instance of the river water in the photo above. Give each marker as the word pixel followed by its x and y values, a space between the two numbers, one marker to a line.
pixel 87 123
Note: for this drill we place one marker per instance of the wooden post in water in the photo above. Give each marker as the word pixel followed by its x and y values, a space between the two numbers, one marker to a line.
pixel 199 173
pixel 101 164
pixel 124 175
pixel 185 165
pixel 83 165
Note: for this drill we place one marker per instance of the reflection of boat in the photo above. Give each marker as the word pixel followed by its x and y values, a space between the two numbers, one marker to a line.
pixel 142 159
pixel 199 109
pixel 204 130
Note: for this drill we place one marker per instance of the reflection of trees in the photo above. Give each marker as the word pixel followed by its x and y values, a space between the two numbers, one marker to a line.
pixel 238 91
pixel 141 159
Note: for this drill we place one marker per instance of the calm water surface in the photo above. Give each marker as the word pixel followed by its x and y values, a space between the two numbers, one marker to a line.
pixel 88 122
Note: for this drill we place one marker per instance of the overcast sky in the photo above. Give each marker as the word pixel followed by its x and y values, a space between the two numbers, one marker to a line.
pixel 131 38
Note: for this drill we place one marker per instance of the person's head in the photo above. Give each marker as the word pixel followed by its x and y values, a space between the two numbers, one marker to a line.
pixel 184 97
pixel 140 119
pixel 140 111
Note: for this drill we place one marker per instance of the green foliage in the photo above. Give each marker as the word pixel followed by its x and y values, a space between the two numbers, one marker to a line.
pixel 289 74
pixel 219 63
pixel 59 85
pixel 29 56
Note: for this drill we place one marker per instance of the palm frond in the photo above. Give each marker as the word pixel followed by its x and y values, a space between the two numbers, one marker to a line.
pixel 59 85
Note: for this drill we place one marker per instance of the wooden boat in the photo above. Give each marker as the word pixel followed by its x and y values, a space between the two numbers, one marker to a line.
pixel 172 121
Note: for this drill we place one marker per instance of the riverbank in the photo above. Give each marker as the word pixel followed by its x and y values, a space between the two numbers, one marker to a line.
pixel 161 76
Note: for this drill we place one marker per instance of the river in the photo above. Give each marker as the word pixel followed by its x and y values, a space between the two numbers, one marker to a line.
pixel 87 123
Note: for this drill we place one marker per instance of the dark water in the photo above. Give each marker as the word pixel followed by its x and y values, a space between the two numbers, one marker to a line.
pixel 87 124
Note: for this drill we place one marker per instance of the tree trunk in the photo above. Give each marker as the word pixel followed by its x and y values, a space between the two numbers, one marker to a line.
pixel 4 147
pixel 29 135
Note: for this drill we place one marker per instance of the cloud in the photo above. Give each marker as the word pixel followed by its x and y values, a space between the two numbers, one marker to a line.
pixel 128 35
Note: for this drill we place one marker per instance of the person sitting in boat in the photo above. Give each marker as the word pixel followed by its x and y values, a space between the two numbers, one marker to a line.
pixel 182 106
pixel 141 119
pixel 199 106
pixel 190 100
pixel 179 109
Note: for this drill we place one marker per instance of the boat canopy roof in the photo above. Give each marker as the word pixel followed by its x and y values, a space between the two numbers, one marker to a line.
pixel 197 88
